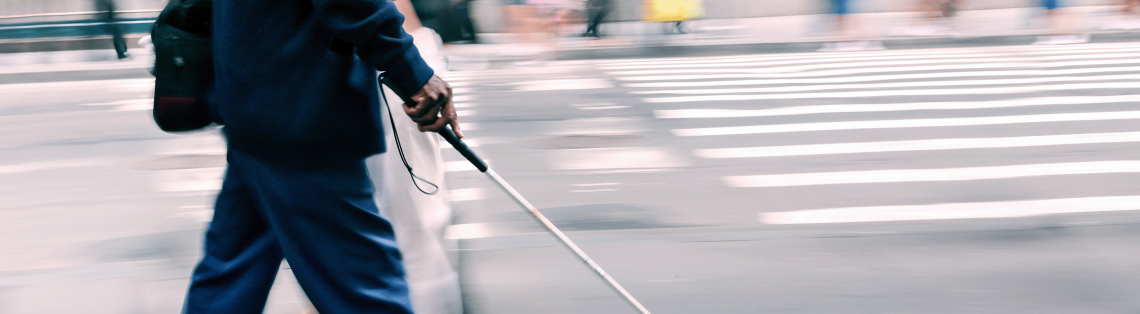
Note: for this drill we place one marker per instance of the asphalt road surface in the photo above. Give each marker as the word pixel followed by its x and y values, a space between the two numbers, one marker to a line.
pixel 964 180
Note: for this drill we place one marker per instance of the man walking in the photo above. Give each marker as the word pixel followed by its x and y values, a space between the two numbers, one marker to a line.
pixel 596 11
pixel 111 20
pixel 296 89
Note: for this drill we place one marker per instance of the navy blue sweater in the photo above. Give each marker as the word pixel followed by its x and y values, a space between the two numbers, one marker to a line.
pixel 286 93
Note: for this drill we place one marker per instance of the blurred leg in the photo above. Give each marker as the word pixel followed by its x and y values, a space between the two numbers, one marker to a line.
pixel 342 252
pixel 241 255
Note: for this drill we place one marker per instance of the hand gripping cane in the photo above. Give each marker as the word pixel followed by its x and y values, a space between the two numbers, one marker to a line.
pixel 458 144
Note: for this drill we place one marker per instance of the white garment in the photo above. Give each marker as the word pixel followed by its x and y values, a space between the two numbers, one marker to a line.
pixel 419 219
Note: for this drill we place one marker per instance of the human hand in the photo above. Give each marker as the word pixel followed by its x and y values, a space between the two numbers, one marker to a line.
pixel 432 109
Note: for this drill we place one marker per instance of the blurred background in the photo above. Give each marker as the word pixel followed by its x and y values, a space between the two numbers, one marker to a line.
pixel 716 156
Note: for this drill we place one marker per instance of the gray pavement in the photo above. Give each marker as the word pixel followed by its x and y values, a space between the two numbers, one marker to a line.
pixel 103 213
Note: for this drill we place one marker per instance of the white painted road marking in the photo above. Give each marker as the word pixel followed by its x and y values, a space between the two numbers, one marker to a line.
pixel 472 194
pixel 785 77
pixel 1008 209
pixel 466 231
pixel 595 190
pixel 189 180
pixel 569 84
pixel 613 158
pixel 942 174
pixel 759 63
pixel 804 88
pixel 882 65
pixel 762 74
pixel 832 80
pixel 909 92
pixel 48 165
pixel 913 123
pixel 919 145
pixel 797 110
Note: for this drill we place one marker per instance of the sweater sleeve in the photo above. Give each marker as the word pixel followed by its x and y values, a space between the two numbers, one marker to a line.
pixel 374 27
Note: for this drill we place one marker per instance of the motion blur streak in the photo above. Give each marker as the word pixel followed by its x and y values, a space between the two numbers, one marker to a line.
pixel 730 157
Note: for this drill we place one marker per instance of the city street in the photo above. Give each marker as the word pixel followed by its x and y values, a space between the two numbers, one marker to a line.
pixel 958 180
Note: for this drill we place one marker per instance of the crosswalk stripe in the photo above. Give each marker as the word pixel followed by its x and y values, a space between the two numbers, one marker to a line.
pixel 926 175
pixel 471 194
pixel 785 76
pixel 1089 56
pixel 909 92
pixel 795 56
pixel 1008 209
pixel 891 66
pixel 1085 63
pixel 816 55
pixel 761 74
pixel 1095 48
pixel 912 123
pixel 755 63
pixel 798 110
pixel 802 88
pixel 1078 49
pixel 919 145
pixel 1042 74
pixel 851 79
pixel 928 58
pixel 802 68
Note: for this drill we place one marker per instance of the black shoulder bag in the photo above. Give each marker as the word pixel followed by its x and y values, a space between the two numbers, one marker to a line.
pixel 183 65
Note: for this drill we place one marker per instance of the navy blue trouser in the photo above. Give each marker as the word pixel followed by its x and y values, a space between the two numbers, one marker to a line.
pixel 323 221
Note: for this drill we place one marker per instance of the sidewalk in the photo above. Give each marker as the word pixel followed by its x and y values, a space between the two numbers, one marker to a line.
pixel 780 34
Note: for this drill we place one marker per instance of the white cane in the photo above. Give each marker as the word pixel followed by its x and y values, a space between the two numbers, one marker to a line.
pixel 448 134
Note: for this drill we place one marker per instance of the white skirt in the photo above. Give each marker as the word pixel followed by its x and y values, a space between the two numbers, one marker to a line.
pixel 419 219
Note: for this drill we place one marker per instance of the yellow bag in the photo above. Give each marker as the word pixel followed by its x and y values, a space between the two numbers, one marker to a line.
pixel 673 10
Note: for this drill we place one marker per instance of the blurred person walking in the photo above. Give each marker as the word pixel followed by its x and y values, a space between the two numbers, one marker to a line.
pixel 111 21
pixel 937 19
pixel 673 12
pixel 847 33
pixel 596 12
pixel 536 23
pixel 299 102
pixel 443 17
pixel 1061 26
pixel 467 28
pixel 1127 19
pixel 522 19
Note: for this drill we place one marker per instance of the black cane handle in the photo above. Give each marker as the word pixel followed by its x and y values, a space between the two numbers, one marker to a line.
pixel 447 133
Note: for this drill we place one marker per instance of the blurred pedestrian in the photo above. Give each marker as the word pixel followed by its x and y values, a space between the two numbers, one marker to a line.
pixel 466 24
pixel 106 9
pixel 1061 26
pixel 535 22
pixel 1129 6
pixel 937 19
pixel 673 12
pixel 440 16
pixel 596 12
pixel 300 104
pixel 1127 19
pixel 848 37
